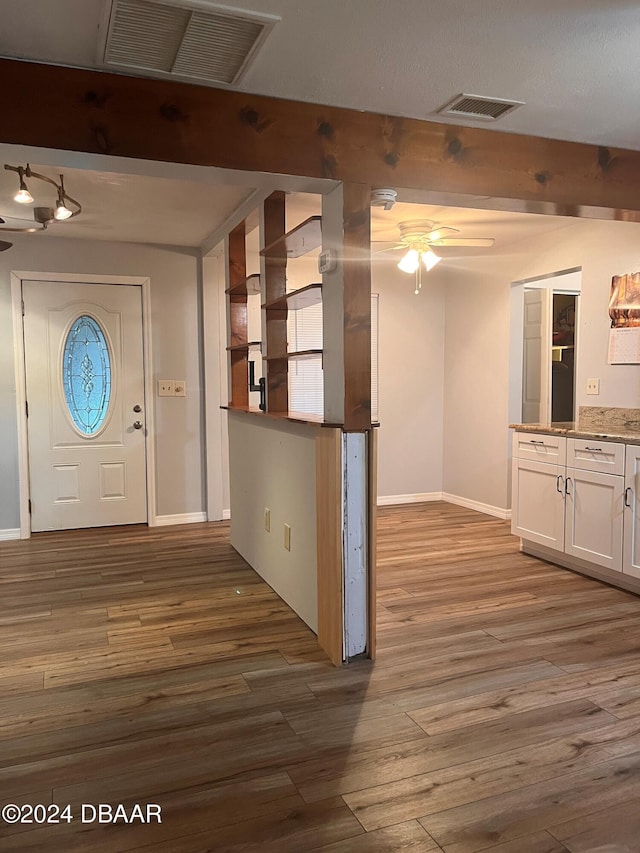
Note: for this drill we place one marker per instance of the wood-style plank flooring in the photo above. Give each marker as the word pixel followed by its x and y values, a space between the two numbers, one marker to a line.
pixel 153 666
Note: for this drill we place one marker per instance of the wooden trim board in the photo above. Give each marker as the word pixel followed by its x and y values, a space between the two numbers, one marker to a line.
pixel 329 543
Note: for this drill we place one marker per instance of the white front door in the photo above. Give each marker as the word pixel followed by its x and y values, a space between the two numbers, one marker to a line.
pixel 85 398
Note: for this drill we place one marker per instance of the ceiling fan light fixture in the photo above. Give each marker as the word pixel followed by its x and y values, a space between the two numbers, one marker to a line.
pixel 430 259
pixel 409 262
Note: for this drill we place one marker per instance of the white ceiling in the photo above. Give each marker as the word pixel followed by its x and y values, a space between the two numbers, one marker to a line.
pixel 129 208
pixel 573 62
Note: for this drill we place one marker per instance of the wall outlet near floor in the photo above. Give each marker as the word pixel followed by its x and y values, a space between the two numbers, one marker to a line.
pixel 593 386
pixel 267 519
pixel 166 388
pixel 287 537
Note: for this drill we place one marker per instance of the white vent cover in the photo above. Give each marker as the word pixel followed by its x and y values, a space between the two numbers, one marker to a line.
pixel 189 38
pixel 479 107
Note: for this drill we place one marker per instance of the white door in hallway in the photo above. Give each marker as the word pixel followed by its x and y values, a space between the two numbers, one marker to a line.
pixel 85 397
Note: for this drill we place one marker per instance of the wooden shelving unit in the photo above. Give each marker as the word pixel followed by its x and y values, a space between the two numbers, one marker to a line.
pixel 302 239
pixel 280 247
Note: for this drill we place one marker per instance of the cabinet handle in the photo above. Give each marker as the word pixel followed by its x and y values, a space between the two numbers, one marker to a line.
pixel 594 449
pixel 627 492
pixel 559 484
pixel 566 486
pixel 531 441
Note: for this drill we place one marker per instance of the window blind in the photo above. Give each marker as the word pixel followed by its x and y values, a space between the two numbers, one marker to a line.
pixel 306 384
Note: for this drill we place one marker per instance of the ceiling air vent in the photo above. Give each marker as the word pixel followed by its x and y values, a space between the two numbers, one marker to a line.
pixel 479 107
pixel 186 38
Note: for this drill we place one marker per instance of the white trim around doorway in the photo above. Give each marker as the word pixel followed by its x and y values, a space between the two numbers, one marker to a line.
pixel 17 277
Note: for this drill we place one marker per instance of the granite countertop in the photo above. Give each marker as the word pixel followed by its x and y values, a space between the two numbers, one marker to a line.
pixel 571 430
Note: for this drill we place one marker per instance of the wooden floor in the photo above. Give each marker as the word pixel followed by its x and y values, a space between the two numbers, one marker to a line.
pixel 152 666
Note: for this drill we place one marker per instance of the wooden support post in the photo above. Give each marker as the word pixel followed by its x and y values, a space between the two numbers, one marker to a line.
pixel 274 272
pixel 238 316
pixel 357 306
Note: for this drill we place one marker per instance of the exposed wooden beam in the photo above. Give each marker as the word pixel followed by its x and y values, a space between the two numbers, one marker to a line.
pixel 99 112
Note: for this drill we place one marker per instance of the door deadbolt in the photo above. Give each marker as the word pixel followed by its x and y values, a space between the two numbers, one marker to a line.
pixel 137 408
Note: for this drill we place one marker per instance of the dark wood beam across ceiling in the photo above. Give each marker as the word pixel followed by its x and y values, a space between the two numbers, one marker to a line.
pixel 104 113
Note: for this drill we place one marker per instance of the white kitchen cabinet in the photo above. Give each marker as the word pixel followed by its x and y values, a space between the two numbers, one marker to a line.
pixel 538 502
pixel 594 517
pixel 631 551
pixel 569 497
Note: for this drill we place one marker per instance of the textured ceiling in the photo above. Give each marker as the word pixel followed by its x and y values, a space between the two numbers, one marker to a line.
pixel 573 62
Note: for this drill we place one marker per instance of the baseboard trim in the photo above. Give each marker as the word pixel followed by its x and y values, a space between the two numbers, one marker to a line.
pixel 394 500
pixel 467 503
pixel 9 533
pixel 181 518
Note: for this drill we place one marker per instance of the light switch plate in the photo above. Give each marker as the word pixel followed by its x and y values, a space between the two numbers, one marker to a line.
pixel 166 388
pixel 267 519
pixel 287 537
pixel 180 388
pixel 593 386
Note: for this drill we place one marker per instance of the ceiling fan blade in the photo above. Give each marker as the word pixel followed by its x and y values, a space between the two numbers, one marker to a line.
pixel 4 245
pixel 387 246
pixel 472 242
pixel 440 233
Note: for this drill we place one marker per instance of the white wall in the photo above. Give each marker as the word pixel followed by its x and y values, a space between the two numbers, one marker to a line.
pixel 174 275
pixel 476 435
pixel 273 464
pixel 411 381
pixel 476 386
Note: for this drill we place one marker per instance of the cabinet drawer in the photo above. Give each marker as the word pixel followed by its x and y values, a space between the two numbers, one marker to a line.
pixel 543 448
pixel 592 455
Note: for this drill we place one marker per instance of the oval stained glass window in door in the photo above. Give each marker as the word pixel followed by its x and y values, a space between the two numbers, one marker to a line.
pixel 86 374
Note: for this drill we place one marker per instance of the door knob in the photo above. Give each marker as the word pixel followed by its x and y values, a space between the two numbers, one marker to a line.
pixel 137 425
pixel 137 408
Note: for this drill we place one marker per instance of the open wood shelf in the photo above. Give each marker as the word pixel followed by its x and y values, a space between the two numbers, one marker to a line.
pixel 307 353
pixel 302 239
pixel 239 347
pixel 303 297
pixel 297 417
pixel 247 287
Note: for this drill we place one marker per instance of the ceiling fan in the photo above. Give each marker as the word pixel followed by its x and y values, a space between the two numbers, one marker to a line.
pixel 419 238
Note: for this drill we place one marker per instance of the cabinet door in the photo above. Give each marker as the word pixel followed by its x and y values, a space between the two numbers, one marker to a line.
pixel 594 514
pixel 631 556
pixel 538 503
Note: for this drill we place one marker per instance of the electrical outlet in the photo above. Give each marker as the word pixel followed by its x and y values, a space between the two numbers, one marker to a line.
pixel 287 537
pixel 593 386
pixel 179 388
pixel 267 519
pixel 166 388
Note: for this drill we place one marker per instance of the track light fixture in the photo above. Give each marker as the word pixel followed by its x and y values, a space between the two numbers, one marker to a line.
pixel 65 208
